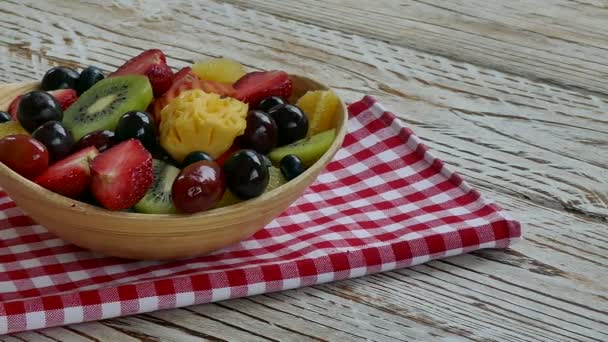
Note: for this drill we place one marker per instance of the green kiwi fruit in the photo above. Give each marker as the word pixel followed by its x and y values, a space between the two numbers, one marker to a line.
pixel 309 150
pixel 104 103
pixel 275 180
pixel 158 198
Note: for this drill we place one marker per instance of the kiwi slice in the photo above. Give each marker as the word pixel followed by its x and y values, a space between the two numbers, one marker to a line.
pixel 103 104
pixel 309 150
pixel 158 198
pixel 276 180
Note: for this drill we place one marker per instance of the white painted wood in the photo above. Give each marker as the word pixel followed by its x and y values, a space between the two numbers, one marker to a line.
pixel 534 142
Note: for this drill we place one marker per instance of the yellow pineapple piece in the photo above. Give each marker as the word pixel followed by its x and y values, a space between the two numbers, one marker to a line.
pixel 219 69
pixel 320 107
pixel 11 127
pixel 199 121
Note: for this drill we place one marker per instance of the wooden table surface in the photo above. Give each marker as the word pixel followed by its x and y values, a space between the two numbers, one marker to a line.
pixel 512 94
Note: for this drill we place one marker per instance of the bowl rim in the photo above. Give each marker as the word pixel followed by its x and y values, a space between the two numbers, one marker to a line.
pixel 79 206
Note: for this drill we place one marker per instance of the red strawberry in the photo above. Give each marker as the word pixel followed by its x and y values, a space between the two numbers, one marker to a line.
pixel 140 64
pixel 151 63
pixel 184 80
pixel 122 175
pixel 256 86
pixel 65 97
pixel 14 107
pixel 71 176
pixel 161 77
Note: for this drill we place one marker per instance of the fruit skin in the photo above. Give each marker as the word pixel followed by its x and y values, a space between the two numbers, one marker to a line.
pixel 122 175
pixel 196 156
pixel 158 199
pixel 57 139
pixel 320 107
pixel 59 78
pixel 11 127
pixel 102 140
pixel 309 150
pixel 87 78
pixel 65 97
pixel 185 80
pixel 198 121
pixel 198 187
pixel 260 133
pixel 152 64
pixel 246 174
pixel 36 108
pixel 222 159
pixel 100 107
pixel 161 77
pixel 270 103
pixel 219 69
pixel 70 177
pixel 258 85
pixel 291 122
pixel 24 155
pixel 291 166
pixel 5 117
pixel 137 125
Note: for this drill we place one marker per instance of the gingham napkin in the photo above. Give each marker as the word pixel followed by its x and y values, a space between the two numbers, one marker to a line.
pixel 384 203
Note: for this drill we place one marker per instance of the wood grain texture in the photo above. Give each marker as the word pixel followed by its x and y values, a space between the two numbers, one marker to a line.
pixel 511 96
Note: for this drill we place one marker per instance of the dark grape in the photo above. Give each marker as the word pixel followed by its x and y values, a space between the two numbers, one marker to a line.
pixel 198 187
pixel 137 125
pixel 57 139
pixel 5 117
pixel 270 103
pixel 246 174
pixel 102 140
pixel 291 166
pixel 36 108
pixel 291 122
pixel 88 77
pixel 261 132
pixel 196 156
pixel 59 78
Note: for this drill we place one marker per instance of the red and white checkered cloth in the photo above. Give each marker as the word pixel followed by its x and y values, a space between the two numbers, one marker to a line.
pixel 384 203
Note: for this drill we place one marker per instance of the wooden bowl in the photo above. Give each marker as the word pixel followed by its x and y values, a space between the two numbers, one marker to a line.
pixel 153 236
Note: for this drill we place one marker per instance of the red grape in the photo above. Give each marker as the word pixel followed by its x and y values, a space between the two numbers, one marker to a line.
pixel 24 155
pixel 198 187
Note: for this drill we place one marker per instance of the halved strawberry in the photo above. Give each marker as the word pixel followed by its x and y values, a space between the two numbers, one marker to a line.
pixel 121 175
pixel 151 63
pixel 65 97
pixel 141 63
pixel 71 176
pixel 256 86
pixel 184 80
pixel 14 107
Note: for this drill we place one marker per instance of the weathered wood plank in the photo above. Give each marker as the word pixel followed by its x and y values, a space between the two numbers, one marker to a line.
pixel 548 42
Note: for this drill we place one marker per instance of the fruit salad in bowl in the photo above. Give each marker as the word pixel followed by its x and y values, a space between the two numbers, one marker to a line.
pixel 185 162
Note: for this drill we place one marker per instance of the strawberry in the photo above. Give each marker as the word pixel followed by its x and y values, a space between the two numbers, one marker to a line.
pixel 256 86
pixel 151 63
pixel 184 80
pixel 14 107
pixel 121 175
pixel 71 176
pixel 65 97
pixel 161 77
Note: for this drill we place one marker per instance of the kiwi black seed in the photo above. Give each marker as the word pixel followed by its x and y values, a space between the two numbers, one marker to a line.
pixel 100 107
pixel 158 198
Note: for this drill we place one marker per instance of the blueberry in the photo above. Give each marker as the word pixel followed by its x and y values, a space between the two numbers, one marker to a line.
pixel 291 166
pixel 59 78
pixel 194 157
pixel 270 103
pixel 291 122
pixel 137 125
pixel 36 108
pixel 5 117
pixel 57 139
pixel 247 176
